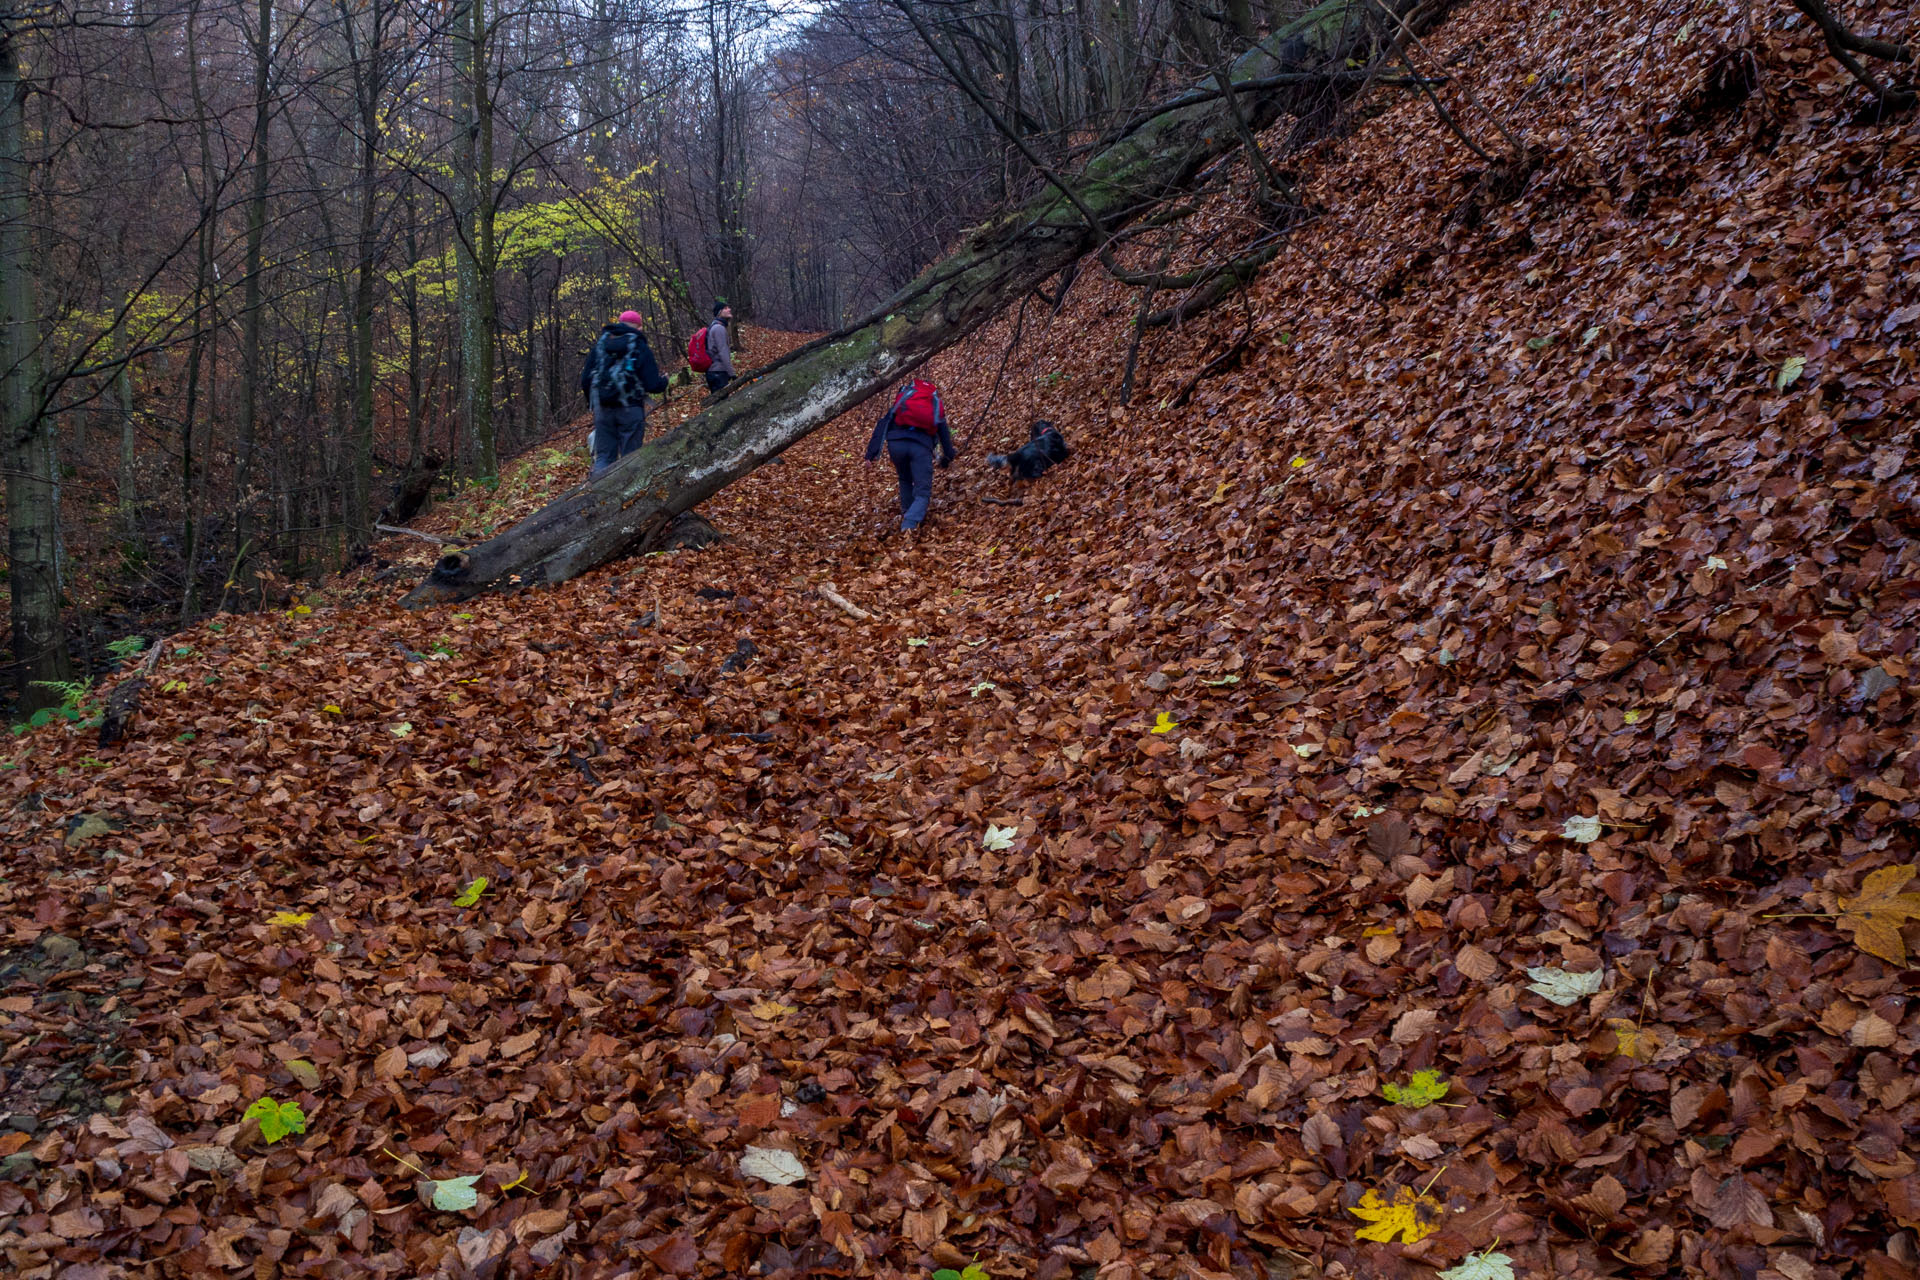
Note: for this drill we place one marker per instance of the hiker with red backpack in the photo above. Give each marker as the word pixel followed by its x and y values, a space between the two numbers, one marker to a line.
pixel 916 419
pixel 710 350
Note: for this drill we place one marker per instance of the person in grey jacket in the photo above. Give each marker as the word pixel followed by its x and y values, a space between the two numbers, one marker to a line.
pixel 719 348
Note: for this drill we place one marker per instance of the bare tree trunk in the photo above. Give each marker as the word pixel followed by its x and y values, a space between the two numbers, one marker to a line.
pixel 1240 14
pixel 474 247
pixel 416 411
pixel 730 251
pixel 637 500
pixel 536 388
pixel 252 375
pixel 203 330
pixel 369 78
pixel 127 486
pixel 40 654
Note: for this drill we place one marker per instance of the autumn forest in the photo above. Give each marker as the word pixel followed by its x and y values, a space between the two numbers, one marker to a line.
pixel 1388 752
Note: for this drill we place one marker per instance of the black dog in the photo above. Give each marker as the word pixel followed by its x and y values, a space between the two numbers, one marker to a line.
pixel 1045 449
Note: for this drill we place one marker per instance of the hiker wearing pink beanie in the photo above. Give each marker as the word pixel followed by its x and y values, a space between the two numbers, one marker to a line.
pixel 619 373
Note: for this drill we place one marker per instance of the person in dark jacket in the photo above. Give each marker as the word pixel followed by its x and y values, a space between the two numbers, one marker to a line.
pixel 911 450
pixel 619 373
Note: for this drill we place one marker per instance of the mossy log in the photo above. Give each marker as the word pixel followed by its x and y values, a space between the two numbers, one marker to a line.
pixel 631 507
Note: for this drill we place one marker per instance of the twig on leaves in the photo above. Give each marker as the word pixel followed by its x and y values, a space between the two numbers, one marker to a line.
pixel 1220 361
pixel 434 538
pixel 404 1161
pixel 840 602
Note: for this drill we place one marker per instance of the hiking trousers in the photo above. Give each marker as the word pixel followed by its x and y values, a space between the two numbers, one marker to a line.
pixel 717 381
pixel 913 463
pixel 617 431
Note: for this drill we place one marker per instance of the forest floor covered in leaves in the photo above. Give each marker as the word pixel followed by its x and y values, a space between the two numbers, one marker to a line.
pixel 1502 673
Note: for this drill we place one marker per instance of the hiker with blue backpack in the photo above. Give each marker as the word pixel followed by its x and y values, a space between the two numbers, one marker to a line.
pixel 619 373
pixel 916 419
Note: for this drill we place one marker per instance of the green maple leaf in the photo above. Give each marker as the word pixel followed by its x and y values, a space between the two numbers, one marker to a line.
pixel 1425 1087
pixel 470 895
pixel 452 1195
pixel 974 1271
pixel 1482 1266
pixel 277 1119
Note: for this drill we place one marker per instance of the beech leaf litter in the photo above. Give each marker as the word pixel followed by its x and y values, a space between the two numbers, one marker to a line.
pixel 871 958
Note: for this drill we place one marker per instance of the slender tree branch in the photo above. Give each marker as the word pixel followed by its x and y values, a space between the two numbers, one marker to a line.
pixel 1844 43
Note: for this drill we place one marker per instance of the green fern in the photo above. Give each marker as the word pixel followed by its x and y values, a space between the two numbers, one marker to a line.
pixel 126 646
pixel 77 705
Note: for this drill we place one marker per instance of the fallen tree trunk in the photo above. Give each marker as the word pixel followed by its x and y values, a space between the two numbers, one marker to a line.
pixel 124 702
pixel 631 505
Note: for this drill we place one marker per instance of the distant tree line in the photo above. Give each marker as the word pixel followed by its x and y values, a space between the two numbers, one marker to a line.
pixel 262 260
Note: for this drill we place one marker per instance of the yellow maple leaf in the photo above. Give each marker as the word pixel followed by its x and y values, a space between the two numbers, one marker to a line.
pixel 290 919
pixel 770 1010
pixel 1876 915
pixel 1409 1215
pixel 1164 723
pixel 1632 1041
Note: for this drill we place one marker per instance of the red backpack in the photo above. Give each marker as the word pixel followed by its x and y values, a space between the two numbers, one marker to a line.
pixel 918 406
pixel 697 358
